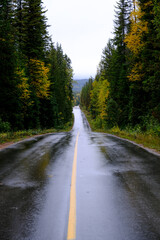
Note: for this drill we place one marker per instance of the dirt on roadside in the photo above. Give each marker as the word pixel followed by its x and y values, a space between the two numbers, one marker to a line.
pixel 4 145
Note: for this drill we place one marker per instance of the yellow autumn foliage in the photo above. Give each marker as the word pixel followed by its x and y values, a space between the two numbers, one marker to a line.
pixel 2 39
pixel 39 78
pixel 99 95
pixel 133 39
pixel 136 73
pixel 148 4
pixel 102 97
pixel 23 85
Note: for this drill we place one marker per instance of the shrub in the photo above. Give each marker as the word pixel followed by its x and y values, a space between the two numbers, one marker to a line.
pixel 151 125
pixel 4 126
pixel 98 123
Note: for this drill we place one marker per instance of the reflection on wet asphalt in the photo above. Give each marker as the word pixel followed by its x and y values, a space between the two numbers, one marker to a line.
pixel 118 185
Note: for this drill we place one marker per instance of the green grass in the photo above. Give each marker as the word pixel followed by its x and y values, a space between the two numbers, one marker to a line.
pixel 21 135
pixel 146 139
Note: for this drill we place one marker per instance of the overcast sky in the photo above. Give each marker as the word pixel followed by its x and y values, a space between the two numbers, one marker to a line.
pixel 83 27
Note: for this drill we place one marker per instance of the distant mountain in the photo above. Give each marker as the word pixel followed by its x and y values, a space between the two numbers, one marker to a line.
pixel 78 84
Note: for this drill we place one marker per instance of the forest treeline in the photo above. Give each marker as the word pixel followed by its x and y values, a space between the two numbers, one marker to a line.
pixel 126 89
pixel 35 76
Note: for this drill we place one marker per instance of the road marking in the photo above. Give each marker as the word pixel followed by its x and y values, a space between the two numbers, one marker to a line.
pixel 72 211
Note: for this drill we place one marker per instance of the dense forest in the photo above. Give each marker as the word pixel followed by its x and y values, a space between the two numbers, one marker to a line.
pixel 126 89
pixel 35 76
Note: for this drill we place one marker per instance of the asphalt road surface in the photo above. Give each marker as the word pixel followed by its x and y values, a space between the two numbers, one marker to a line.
pixel 79 185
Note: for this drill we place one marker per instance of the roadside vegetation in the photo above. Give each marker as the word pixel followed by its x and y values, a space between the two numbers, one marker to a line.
pixel 12 137
pixel 149 138
pixel 124 97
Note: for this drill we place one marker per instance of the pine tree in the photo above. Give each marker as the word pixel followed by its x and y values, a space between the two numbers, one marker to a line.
pixel 150 56
pixel 8 84
pixel 143 43
pixel 135 44
pixel 35 30
pixel 119 85
pixel 59 104
pixel 68 89
pixel 85 98
pixel 34 44
pixel 63 83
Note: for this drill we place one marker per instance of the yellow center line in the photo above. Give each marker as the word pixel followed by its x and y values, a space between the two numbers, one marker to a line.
pixel 72 211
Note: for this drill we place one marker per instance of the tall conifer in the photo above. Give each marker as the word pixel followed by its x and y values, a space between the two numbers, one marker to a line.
pixel 8 84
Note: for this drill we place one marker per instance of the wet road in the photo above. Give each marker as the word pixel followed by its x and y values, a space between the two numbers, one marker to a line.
pixel 117 187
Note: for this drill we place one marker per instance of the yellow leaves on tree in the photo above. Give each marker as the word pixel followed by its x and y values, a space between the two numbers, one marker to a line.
pixel 136 73
pixel 99 96
pixel 2 39
pixel 23 85
pixel 102 97
pixel 39 78
pixel 133 40
pixel 148 4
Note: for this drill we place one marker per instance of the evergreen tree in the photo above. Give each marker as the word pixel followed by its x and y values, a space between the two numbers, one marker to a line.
pixel 85 94
pixel 150 56
pixel 63 85
pixel 35 30
pixel 143 43
pixel 59 105
pixel 68 89
pixel 135 43
pixel 8 84
pixel 19 26
pixel 119 85
pixel 34 44
pixel 53 104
